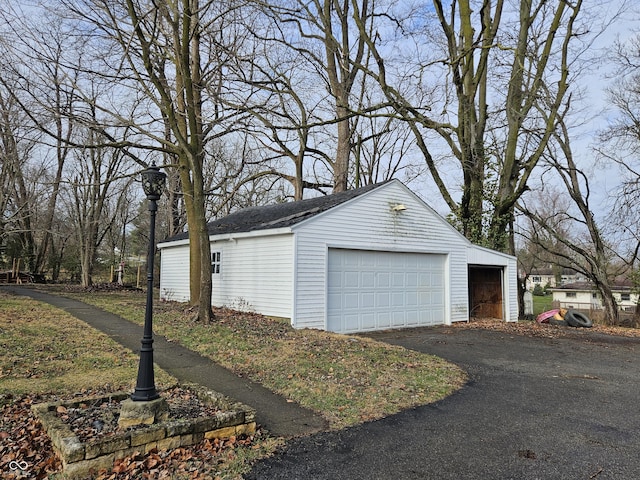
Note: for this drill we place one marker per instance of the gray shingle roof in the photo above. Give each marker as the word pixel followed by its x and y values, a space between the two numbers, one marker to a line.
pixel 278 215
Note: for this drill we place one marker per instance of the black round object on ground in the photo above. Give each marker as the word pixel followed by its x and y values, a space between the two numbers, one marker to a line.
pixel 577 319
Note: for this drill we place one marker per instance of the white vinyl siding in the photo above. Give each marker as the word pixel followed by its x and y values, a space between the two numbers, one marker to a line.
pixel 256 274
pixel 368 223
pixel 174 274
pixel 284 271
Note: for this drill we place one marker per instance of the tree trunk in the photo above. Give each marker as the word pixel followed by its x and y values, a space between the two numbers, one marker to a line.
pixel 500 235
pixel 343 150
pixel 611 312
pixel 201 240
pixel 86 268
pixel 471 205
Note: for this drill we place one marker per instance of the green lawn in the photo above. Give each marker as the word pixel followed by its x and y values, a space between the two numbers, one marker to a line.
pixel 542 304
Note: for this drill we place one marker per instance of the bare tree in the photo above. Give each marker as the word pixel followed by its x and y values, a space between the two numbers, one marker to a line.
pixel 384 149
pixel 167 61
pixel 18 189
pixel 586 250
pixel 495 65
pixel 619 147
pixel 39 83
pixel 325 33
pixel 99 183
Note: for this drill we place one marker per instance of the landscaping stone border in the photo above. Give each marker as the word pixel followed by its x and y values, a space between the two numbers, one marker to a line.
pixel 79 458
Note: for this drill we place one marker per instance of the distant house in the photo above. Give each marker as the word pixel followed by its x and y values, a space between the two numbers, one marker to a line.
pixel 584 296
pixel 373 258
pixel 549 276
pixel 542 277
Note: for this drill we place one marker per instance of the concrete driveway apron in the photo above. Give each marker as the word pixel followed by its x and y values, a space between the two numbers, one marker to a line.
pixel 534 408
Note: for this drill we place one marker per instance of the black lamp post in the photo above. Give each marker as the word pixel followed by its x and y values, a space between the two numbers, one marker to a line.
pixel 152 183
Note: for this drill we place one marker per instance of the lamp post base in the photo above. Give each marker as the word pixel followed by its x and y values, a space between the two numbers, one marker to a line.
pixel 134 413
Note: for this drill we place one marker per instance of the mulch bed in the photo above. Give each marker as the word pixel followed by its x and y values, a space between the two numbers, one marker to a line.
pixel 99 419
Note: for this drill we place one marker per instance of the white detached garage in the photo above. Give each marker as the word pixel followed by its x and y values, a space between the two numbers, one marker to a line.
pixel 368 259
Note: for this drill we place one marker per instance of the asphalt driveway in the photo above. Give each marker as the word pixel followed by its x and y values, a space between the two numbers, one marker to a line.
pixel 534 408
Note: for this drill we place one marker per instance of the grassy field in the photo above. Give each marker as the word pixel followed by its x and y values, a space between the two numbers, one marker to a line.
pixel 47 351
pixel 542 303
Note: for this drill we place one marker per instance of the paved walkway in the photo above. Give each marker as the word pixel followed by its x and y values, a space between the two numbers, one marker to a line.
pixel 280 417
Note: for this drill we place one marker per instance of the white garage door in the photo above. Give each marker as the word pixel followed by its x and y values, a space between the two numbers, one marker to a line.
pixel 377 290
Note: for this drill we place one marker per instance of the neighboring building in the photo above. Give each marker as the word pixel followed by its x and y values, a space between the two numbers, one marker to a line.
pixel 548 276
pixel 373 258
pixel 583 296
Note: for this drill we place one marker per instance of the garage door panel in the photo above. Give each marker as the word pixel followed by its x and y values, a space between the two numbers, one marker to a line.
pixel 375 290
pixel 398 280
pixel 398 319
pixel 383 280
pixel 383 319
pixel 411 299
pixel 398 299
pixel 351 279
pixel 368 262
pixel 335 279
pixel 335 299
pixel 368 300
pixel 351 262
pixel 425 317
pixel 382 261
pixel 350 301
pixel 368 321
pixel 425 279
pixel 413 317
pixel 351 322
pixel 368 279
pixel 382 299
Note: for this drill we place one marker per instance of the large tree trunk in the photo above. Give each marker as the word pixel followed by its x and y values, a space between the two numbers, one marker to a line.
pixel 342 69
pixel 612 315
pixel 527 91
pixel 471 205
pixel 200 283
pixel 201 239
pixel 86 266
pixel 194 247
pixel 343 151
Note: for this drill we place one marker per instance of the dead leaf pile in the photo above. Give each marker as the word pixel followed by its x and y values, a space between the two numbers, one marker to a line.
pixel 25 449
pixel 544 330
pixel 201 461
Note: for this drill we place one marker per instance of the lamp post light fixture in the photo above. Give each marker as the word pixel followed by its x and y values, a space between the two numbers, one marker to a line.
pixel 152 182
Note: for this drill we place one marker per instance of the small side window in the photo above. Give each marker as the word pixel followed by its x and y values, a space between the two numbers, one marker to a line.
pixel 215 263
